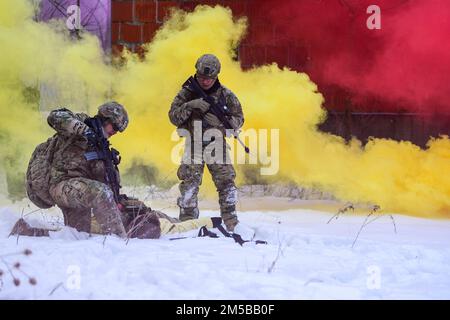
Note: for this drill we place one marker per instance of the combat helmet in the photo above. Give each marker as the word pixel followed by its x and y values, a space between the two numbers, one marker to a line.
pixel 208 65
pixel 115 113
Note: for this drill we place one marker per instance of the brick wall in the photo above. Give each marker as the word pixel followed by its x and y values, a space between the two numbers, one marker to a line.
pixel 412 127
pixel 134 22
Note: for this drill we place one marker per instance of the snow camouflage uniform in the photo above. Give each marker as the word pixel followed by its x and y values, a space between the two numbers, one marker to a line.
pixel 183 115
pixel 78 186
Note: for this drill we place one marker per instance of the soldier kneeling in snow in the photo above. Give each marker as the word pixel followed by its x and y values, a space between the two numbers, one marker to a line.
pixel 78 171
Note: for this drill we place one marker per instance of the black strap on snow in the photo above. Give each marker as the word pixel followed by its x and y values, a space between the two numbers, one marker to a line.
pixel 237 238
pixel 179 238
pixel 204 232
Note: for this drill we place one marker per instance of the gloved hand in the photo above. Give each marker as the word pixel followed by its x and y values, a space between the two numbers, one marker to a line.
pixel 235 122
pixel 198 104
pixel 90 136
pixel 212 120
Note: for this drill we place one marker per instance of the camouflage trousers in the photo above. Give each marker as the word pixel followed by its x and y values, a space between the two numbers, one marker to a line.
pixel 80 198
pixel 138 220
pixel 149 224
pixel 223 174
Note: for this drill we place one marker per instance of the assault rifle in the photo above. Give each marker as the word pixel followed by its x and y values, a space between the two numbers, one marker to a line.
pixel 100 150
pixel 220 111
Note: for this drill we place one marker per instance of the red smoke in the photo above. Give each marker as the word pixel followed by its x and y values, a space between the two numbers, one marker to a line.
pixel 403 66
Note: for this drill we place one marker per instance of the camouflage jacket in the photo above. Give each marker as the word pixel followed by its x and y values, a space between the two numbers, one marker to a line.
pixel 183 117
pixel 68 159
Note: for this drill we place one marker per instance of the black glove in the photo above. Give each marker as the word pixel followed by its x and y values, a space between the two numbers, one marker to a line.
pixel 90 136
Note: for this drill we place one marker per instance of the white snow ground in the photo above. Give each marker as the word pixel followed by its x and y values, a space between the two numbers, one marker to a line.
pixel 306 258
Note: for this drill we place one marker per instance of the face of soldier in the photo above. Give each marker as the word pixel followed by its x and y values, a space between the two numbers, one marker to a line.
pixel 205 82
pixel 108 130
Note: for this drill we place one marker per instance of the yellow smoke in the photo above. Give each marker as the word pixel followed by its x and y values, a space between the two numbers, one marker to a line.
pixel 35 57
pixel 400 177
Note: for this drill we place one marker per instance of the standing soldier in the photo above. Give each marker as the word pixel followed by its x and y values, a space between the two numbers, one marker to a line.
pixel 188 110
